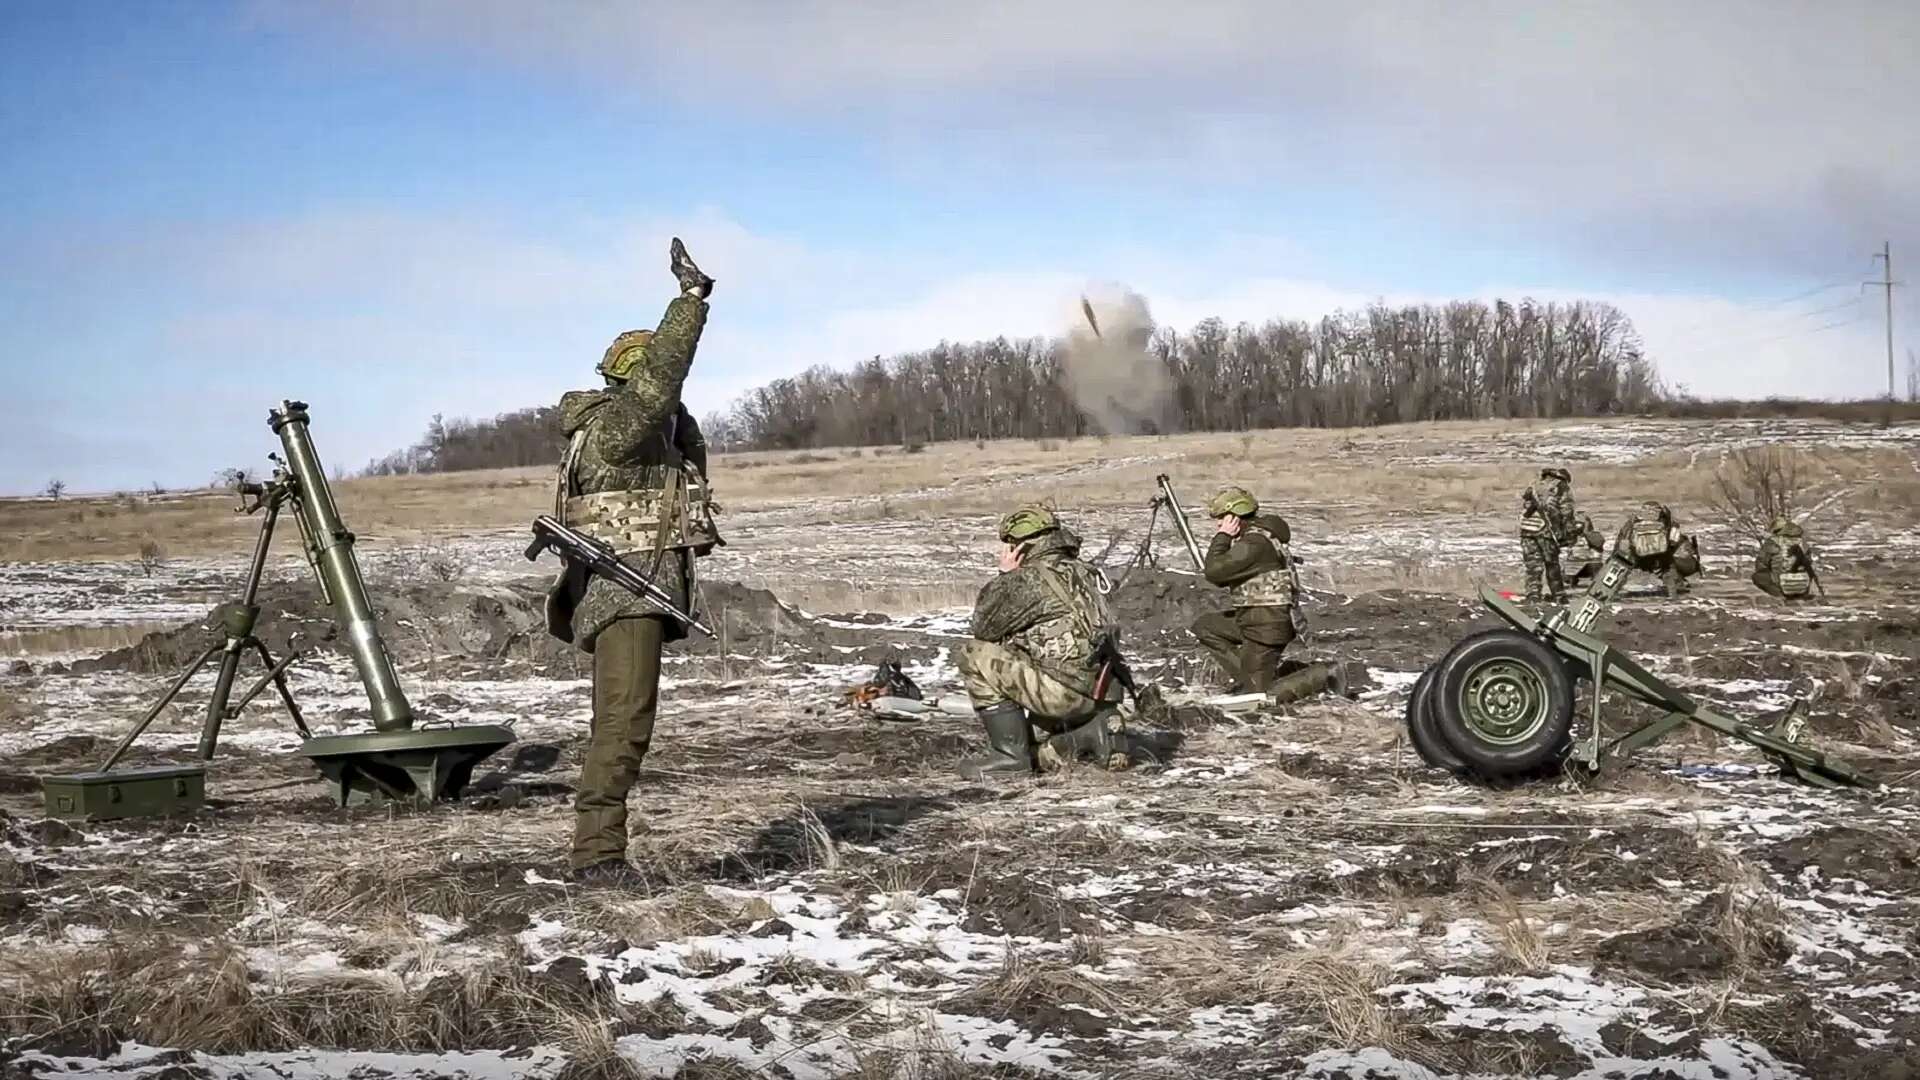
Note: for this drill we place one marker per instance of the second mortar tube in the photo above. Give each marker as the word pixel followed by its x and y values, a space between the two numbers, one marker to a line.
pixel 333 559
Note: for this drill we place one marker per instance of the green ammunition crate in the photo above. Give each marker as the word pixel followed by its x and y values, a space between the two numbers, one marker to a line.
pixel 126 793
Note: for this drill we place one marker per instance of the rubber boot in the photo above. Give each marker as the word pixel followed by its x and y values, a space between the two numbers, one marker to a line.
pixel 1009 744
pixel 1309 680
pixel 1101 740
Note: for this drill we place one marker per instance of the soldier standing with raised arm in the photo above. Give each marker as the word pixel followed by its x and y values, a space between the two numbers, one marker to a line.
pixel 635 480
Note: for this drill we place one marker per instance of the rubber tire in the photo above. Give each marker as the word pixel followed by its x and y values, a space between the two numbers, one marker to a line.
pixel 1424 734
pixel 1545 746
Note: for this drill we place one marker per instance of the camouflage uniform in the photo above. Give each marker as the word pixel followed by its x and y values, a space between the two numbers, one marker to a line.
pixel 633 477
pixel 1042 632
pixel 1653 544
pixel 1547 523
pixel 1033 631
pixel 1783 566
pixel 1247 641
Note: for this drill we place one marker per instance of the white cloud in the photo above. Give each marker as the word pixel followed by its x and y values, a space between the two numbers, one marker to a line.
pixel 380 319
pixel 1715 129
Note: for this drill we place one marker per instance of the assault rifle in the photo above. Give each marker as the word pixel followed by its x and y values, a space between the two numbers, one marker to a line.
pixel 598 558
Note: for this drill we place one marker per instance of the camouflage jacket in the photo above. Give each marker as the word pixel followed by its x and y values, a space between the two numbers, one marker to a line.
pixel 1787 558
pixel 1547 510
pixel 1051 609
pixel 1250 565
pixel 625 438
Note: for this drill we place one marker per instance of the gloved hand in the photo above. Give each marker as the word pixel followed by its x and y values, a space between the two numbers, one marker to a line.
pixel 692 281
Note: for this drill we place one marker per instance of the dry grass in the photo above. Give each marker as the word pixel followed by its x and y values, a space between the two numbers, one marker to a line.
pixel 167 992
pixel 1350 475
pixel 1335 983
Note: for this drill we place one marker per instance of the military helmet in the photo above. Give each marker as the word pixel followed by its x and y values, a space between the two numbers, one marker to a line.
pixel 1026 523
pixel 1780 524
pixel 627 352
pixel 1237 501
pixel 1557 474
pixel 1651 508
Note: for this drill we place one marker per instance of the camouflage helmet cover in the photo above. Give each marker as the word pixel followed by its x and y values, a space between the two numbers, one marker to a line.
pixel 1780 524
pixel 1557 474
pixel 627 352
pixel 1026 523
pixel 1237 501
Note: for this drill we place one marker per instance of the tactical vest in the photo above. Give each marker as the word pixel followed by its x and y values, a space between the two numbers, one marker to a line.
pixel 1066 642
pixel 1533 516
pixel 1649 538
pixel 1268 588
pixel 671 516
pixel 1795 561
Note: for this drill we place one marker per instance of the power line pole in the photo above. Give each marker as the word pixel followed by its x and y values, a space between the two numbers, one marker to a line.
pixel 1887 283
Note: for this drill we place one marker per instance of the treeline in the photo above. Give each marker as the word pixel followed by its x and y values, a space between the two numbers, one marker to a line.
pixel 526 437
pixel 1463 360
pixel 1382 365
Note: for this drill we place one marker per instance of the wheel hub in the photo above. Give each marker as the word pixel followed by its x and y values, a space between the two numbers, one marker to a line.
pixel 1504 701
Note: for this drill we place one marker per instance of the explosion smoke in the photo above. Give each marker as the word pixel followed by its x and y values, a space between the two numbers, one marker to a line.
pixel 1116 382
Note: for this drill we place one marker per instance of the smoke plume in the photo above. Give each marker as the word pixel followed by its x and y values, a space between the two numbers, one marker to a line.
pixel 1116 382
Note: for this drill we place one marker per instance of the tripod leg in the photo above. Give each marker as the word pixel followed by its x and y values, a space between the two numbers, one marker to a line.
pixel 172 692
pixel 278 673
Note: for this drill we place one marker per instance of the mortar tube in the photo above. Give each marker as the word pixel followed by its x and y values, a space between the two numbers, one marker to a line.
pixel 333 559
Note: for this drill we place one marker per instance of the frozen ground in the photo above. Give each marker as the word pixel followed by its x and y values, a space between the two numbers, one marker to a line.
pixel 1276 896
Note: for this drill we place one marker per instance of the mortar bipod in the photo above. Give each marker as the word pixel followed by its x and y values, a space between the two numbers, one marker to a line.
pixel 1590 657
pixel 236 620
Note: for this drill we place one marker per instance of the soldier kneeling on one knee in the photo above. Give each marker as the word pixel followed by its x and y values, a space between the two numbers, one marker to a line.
pixel 1783 566
pixel 1249 558
pixel 1044 655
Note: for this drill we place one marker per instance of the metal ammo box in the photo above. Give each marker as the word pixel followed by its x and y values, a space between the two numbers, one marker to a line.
pixel 126 793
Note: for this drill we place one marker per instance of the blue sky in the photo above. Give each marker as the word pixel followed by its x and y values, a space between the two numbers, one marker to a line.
pixel 393 210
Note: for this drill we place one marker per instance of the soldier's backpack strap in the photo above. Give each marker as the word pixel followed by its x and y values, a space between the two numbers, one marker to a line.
pixel 563 480
pixel 1074 611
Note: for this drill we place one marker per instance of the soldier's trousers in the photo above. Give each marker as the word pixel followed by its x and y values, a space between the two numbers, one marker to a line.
pixel 1247 642
pixel 995 674
pixel 1541 558
pixel 626 697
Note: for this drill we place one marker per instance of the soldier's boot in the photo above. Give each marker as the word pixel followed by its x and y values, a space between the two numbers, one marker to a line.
pixel 1101 740
pixel 1009 744
pixel 1309 680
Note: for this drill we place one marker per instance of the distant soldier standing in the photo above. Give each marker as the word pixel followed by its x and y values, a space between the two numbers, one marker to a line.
pixel 633 477
pixel 1044 654
pixel 1783 566
pixel 1655 545
pixel 1547 523
pixel 1247 558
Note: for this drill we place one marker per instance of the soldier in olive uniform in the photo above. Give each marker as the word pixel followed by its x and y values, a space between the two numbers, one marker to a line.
pixel 1653 544
pixel 1042 637
pixel 1547 524
pixel 1248 557
pixel 1783 566
pixel 633 477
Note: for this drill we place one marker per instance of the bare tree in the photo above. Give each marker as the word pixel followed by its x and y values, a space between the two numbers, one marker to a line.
pixel 1752 487
pixel 233 477
pixel 152 556
pixel 55 488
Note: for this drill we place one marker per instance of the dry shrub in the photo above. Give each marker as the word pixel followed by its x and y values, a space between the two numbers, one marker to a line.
pixel 1753 486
